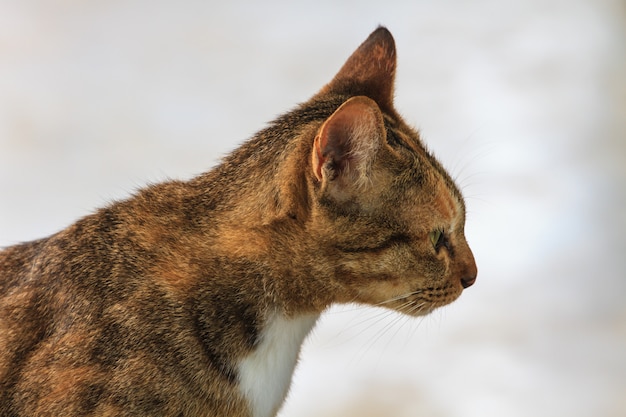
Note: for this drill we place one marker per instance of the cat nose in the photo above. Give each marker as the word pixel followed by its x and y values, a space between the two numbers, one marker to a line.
pixel 469 271
pixel 468 281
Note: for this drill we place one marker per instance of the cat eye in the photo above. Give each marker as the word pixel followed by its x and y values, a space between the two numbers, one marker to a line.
pixel 437 238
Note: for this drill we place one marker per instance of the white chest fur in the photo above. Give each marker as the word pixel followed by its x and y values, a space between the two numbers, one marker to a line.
pixel 265 374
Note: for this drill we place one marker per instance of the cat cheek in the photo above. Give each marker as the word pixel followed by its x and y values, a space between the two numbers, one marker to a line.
pixel 435 270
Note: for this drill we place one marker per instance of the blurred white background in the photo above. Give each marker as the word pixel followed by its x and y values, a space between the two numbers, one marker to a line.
pixel 524 102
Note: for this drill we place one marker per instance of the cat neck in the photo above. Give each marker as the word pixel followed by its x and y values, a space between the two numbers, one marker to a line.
pixel 265 373
pixel 263 220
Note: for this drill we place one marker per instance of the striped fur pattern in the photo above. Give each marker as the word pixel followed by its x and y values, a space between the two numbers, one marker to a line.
pixel 193 298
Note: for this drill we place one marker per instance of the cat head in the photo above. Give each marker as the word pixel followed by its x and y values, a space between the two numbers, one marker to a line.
pixel 387 218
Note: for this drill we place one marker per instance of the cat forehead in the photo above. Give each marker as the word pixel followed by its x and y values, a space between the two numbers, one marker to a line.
pixel 426 168
pixel 430 193
pixel 449 206
pixel 432 206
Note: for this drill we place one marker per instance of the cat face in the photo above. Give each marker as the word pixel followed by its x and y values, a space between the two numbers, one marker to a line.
pixel 389 218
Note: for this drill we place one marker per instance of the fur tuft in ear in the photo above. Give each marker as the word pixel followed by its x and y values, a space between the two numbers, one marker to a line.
pixel 346 145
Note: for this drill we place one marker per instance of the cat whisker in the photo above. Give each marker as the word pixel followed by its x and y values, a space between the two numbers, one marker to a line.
pixel 395 318
pixel 398 297
pixel 374 320
pixel 366 322
pixel 413 308
pixel 369 321
pixel 407 310
pixel 357 326
pixel 405 319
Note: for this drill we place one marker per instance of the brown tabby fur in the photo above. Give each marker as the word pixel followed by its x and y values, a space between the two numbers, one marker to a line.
pixel 147 306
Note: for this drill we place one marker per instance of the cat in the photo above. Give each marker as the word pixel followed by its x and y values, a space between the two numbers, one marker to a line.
pixel 193 298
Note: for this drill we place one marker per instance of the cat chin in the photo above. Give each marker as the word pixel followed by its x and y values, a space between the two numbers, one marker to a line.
pixel 421 309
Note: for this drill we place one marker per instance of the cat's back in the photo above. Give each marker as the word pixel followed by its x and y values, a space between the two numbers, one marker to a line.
pixel 52 286
pixel 20 294
pixel 15 262
pixel 23 321
pixel 53 296
pixel 91 321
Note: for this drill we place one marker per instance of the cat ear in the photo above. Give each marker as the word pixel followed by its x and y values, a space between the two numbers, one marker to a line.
pixel 346 146
pixel 370 70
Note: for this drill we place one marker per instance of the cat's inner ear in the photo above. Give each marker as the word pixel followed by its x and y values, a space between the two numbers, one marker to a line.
pixel 347 143
pixel 369 71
